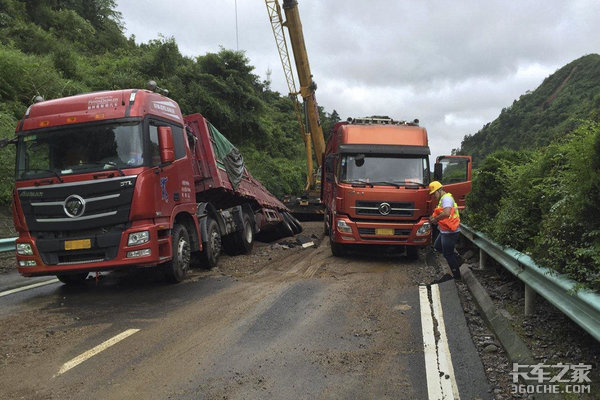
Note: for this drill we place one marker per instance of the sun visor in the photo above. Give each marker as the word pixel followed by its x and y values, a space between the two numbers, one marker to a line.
pixel 385 149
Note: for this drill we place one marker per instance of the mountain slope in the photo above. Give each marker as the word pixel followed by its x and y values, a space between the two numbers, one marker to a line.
pixel 557 106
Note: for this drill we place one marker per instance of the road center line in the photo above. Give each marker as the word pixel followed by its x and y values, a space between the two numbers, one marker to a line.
pixel 92 352
pixel 32 286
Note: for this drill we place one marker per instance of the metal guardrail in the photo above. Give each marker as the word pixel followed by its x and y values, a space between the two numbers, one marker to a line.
pixel 7 244
pixel 580 305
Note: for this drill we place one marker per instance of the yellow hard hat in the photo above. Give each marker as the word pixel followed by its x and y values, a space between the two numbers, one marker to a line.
pixel 434 187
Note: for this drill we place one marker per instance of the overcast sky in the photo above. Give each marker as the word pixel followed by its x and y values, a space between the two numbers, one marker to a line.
pixel 452 64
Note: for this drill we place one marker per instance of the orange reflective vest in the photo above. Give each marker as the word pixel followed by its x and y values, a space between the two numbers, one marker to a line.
pixel 450 223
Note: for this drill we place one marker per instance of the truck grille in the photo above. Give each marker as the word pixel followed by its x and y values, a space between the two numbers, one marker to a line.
pixel 375 208
pixel 98 203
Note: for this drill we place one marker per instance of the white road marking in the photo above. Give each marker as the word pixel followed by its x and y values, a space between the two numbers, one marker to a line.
pixel 444 356
pixel 434 386
pixel 441 382
pixel 32 286
pixel 92 352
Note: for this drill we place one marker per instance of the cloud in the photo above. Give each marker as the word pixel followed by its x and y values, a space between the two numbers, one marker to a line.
pixel 453 65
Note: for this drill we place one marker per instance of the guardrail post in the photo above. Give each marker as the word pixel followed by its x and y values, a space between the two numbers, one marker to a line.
pixel 483 262
pixel 529 300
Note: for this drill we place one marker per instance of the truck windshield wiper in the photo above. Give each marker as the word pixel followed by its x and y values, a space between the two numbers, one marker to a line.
pixel 386 183
pixel 414 183
pixel 114 166
pixel 358 182
pixel 54 172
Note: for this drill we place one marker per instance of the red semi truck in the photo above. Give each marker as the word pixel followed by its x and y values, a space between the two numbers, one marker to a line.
pixel 374 184
pixel 120 179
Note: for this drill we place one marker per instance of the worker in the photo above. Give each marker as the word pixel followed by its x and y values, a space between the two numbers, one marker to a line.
pixel 447 218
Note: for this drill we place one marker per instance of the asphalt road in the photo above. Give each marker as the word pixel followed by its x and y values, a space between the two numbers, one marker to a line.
pixel 301 325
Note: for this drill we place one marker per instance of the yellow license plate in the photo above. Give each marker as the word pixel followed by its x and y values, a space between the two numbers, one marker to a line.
pixel 384 232
pixel 78 244
pixel 303 202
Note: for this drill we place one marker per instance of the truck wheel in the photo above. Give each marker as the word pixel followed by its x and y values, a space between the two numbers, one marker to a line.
pixel 246 237
pixel 176 269
pixel 293 222
pixel 412 252
pixel 73 279
pixel 242 241
pixel 337 249
pixel 285 228
pixel 326 225
pixel 212 246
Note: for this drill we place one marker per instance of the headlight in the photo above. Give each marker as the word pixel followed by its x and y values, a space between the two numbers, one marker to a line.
pixel 24 249
pixel 425 229
pixel 343 226
pixel 136 238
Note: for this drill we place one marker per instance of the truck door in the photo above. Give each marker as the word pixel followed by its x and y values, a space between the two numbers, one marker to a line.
pixel 454 172
pixel 174 179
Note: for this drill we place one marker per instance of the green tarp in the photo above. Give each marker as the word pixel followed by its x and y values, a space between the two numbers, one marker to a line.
pixel 228 156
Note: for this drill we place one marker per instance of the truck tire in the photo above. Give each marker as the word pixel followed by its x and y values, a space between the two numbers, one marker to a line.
pixel 242 241
pixel 73 279
pixel 326 224
pixel 293 222
pixel 285 228
pixel 176 269
pixel 337 249
pixel 212 246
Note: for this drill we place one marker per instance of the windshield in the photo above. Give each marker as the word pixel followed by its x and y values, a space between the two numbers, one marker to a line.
pixel 384 169
pixel 81 149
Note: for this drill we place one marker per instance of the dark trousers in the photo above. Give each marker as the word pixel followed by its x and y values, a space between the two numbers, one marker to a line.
pixel 445 243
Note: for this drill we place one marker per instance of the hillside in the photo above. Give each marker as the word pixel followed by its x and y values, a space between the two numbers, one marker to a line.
pixel 57 48
pixel 556 107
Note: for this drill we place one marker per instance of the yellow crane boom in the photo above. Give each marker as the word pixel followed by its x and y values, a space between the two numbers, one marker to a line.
pixel 307 85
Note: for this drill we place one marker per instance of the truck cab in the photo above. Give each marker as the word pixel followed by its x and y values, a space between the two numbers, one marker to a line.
pixel 87 170
pixel 374 184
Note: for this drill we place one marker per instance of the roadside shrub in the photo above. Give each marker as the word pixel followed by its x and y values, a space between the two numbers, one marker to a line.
pixel 546 203
pixel 569 237
pixel 490 184
pixel 7 161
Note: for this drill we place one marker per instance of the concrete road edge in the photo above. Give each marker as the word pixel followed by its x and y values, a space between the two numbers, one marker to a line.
pixel 515 347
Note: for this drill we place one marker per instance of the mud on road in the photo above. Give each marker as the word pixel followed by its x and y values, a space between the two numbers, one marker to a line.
pixel 281 322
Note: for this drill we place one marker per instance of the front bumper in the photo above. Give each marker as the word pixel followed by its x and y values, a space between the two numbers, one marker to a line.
pixel 384 233
pixel 106 251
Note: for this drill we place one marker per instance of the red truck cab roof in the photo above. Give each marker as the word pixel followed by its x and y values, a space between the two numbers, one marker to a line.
pixel 403 135
pixel 378 138
pixel 90 107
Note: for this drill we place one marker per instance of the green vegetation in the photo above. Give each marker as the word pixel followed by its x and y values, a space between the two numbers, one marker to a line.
pixel 538 189
pixel 545 203
pixel 559 105
pixel 57 48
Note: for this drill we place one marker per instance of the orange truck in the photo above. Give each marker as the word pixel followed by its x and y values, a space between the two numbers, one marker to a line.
pixel 374 184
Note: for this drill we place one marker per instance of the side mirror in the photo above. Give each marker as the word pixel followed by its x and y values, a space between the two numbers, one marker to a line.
pixel 165 144
pixel 437 172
